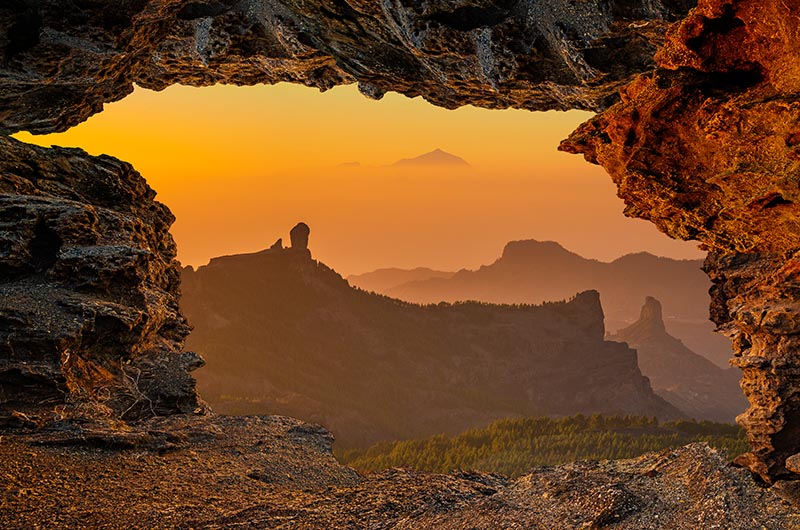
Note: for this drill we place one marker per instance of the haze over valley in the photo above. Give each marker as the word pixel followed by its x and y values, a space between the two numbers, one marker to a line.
pixel 532 272
pixel 284 333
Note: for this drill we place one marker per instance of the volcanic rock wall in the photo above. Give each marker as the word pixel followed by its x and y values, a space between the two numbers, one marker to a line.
pixel 705 147
pixel 89 321
pixel 64 59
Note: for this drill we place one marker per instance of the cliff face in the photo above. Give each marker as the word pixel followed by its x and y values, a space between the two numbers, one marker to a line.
pixel 679 375
pixel 283 333
pixel 89 320
pixel 706 148
pixel 64 59
pixel 756 301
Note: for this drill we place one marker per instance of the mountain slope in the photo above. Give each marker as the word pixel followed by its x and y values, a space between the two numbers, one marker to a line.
pixel 685 379
pixel 282 333
pixel 536 271
pixel 381 280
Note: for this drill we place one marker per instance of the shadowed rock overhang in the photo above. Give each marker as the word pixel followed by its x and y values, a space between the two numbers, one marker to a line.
pixel 63 60
pixel 703 142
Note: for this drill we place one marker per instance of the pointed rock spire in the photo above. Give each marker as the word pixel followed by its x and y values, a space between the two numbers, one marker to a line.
pixel 651 315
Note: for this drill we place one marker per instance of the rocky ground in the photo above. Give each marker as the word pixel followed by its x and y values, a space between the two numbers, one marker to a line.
pixel 211 471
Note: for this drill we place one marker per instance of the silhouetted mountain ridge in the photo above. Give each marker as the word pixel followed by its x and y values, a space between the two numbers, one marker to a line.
pixel 282 333
pixel 530 271
pixel 382 279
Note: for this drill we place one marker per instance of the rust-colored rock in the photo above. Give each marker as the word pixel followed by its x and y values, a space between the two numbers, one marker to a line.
pixel 708 148
pixel 89 321
pixel 755 302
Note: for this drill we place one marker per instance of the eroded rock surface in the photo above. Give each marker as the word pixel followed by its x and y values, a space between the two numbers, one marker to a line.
pixel 89 320
pixel 755 302
pixel 62 60
pixel 273 472
pixel 707 149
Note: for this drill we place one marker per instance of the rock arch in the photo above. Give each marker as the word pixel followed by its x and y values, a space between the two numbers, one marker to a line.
pixel 701 139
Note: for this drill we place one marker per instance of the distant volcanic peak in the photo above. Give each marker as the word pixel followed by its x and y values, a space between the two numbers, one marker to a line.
pixel 437 157
pixel 638 257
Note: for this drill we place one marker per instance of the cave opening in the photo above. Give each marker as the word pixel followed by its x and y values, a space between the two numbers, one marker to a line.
pixel 400 183
pixel 260 159
pixel 44 247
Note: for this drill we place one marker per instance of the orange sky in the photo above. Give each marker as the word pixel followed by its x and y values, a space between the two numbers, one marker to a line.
pixel 240 165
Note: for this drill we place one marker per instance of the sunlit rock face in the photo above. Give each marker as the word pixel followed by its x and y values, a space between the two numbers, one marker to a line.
pixel 756 301
pixel 707 148
pixel 89 321
pixel 62 60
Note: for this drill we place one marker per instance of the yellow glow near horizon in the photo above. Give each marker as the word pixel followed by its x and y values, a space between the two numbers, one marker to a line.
pixel 240 165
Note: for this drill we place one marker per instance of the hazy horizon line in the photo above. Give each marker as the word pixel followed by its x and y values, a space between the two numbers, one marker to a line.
pixel 465 268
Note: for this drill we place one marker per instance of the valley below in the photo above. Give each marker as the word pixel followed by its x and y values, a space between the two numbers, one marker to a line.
pixel 283 333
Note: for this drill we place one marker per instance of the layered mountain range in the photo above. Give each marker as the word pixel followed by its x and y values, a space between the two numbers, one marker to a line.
pixel 532 272
pixel 282 333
